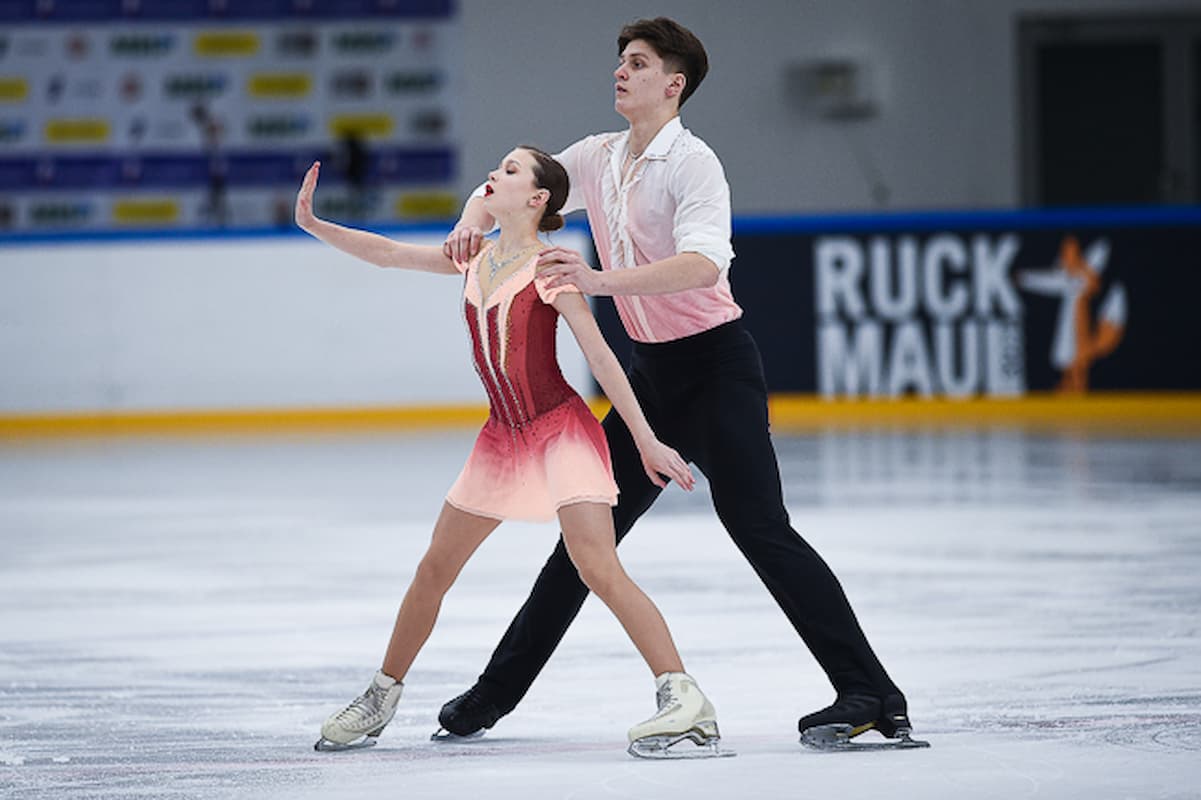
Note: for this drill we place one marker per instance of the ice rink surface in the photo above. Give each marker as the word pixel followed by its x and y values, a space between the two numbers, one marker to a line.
pixel 177 617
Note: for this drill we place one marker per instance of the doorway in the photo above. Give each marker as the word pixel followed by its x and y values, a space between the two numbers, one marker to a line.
pixel 1110 110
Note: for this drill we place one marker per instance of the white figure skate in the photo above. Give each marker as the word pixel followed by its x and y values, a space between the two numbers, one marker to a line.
pixel 363 720
pixel 685 725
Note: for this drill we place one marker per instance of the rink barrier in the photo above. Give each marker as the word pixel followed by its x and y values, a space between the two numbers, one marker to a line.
pixel 1121 414
pixel 1151 382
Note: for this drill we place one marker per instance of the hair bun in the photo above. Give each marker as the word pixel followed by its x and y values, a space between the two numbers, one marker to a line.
pixel 551 222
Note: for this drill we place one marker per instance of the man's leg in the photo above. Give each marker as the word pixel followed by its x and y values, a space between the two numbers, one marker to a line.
pixel 552 605
pixel 735 452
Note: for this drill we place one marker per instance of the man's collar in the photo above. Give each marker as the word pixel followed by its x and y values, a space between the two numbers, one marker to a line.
pixel 659 146
pixel 665 138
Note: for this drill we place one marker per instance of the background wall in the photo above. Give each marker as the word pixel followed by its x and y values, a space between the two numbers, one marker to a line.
pixel 282 321
pixel 946 74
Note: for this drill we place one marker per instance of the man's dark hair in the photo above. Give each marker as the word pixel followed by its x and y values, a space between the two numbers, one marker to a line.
pixel 679 48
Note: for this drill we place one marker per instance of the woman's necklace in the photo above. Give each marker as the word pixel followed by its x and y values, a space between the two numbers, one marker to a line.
pixel 495 266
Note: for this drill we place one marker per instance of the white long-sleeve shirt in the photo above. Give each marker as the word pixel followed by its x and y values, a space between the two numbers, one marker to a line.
pixel 674 200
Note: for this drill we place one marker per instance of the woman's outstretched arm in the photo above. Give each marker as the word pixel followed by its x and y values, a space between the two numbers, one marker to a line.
pixel 370 247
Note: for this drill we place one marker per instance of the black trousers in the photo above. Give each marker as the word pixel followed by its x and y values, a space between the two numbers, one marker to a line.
pixel 704 395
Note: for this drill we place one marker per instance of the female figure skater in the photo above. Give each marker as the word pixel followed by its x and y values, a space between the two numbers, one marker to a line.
pixel 541 452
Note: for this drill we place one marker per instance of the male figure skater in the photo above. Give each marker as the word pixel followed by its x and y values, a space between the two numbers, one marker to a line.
pixel 659 207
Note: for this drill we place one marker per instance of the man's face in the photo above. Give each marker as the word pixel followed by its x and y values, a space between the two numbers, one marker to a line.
pixel 643 81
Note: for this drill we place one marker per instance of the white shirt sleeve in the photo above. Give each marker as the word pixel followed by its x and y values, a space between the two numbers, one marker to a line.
pixel 479 192
pixel 572 160
pixel 702 219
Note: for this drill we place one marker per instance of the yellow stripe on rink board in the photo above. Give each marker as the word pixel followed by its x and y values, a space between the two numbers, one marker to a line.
pixel 1119 414
pixel 245 421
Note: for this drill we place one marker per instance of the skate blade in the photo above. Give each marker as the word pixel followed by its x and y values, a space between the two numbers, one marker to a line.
pixel 840 738
pixel 686 745
pixel 324 745
pixel 443 735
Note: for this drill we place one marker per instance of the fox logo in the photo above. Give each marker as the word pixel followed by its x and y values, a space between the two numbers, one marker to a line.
pixel 1075 278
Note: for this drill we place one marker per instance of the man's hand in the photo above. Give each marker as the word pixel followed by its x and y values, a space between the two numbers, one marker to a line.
pixel 564 267
pixel 463 243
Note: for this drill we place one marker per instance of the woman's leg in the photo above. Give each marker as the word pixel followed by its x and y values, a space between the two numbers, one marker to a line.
pixel 591 543
pixel 685 717
pixel 457 535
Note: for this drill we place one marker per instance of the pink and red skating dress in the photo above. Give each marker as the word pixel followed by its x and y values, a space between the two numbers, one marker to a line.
pixel 541 447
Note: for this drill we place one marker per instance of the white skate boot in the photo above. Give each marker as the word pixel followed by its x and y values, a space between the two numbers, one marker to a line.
pixel 685 725
pixel 361 722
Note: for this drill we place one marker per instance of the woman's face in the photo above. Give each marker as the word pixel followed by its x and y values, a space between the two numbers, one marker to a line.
pixel 511 186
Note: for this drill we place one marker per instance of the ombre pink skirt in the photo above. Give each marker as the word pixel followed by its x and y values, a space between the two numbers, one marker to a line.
pixel 529 473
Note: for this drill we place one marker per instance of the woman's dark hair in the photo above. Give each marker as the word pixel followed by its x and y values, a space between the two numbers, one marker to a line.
pixel 550 175
pixel 679 48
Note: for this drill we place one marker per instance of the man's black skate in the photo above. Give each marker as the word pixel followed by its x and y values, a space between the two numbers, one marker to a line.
pixel 467 716
pixel 834 727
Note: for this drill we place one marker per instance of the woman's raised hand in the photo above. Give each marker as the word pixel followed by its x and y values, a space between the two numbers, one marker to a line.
pixel 304 198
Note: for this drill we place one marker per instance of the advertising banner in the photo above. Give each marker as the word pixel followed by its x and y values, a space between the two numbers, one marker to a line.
pixel 974 304
pixel 133 115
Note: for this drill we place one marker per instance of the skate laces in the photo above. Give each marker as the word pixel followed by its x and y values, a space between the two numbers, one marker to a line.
pixel 367 704
pixel 472 700
pixel 665 700
pixel 663 695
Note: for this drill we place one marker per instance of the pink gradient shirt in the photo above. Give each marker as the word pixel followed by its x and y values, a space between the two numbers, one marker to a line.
pixel 674 200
